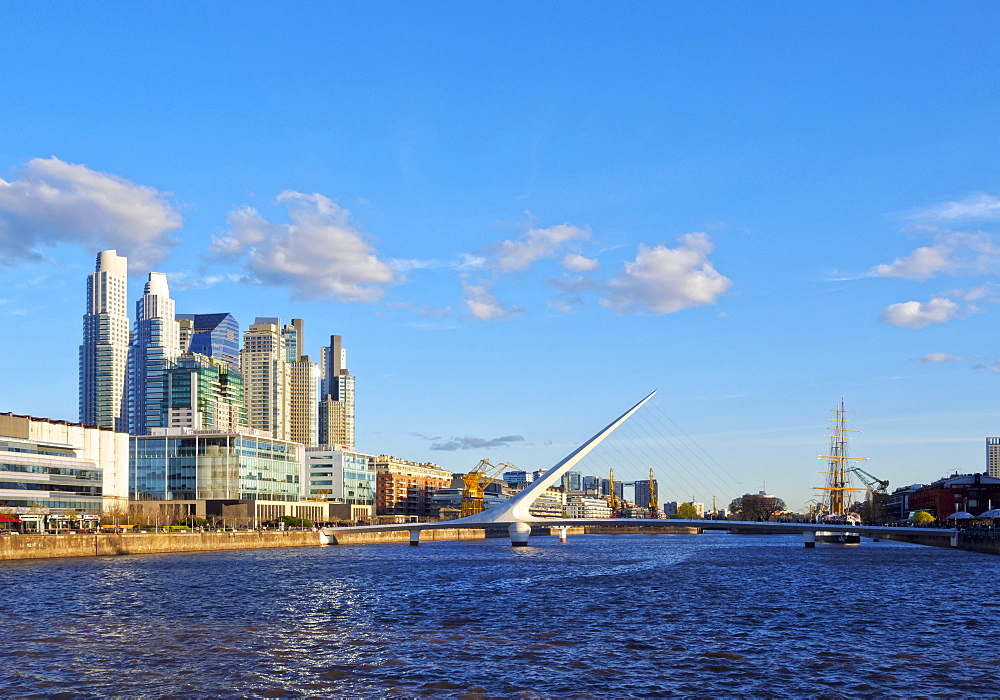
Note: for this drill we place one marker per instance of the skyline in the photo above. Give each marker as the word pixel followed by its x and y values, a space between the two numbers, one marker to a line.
pixel 521 219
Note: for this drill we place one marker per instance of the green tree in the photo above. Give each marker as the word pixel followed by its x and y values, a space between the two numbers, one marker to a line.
pixel 686 511
pixel 758 507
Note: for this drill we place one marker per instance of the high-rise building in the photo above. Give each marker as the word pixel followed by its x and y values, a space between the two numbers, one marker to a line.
pixel 572 481
pixel 212 335
pixel 265 377
pixel 336 406
pixel 204 393
pixel 303 386
pixel 642 492
pixel 105 348
pixel 155 345
pixel 993 456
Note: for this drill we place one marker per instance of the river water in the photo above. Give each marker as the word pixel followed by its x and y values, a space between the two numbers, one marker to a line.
pixel 601 616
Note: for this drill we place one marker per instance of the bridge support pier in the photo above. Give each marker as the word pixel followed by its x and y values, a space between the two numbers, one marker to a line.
pixel 562 534
pixel 809 538
pixel 519 533
pixel 954 540
pixel 414 538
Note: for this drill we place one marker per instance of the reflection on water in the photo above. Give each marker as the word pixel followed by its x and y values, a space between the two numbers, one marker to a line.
pixel 602 616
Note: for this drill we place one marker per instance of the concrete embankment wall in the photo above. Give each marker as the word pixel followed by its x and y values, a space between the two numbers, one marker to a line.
pixel 985 542
pixel 50 546
pixel 337 537
pixel 603 530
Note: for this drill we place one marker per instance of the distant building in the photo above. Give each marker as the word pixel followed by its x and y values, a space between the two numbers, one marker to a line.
pixel 155 346
pixel 592 485
pixel 973 493
pixel 336 404
pixel 405 488
pixel 518 476
pixel 105 348
pixel 587 507
pixel 993 456
pixel 213 335
pixel 550 503
pixel 572 482
pixel 642 493
pixel 346 480
pixel 53 466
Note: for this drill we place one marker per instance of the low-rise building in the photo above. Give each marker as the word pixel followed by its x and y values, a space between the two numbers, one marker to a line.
pixel 587 507
pixel 404 488
pixel 972 493
pixel 345 479
pixel 58 467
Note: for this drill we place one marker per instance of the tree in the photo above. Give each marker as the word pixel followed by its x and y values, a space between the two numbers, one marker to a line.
pixel 752 506
pixel 922 517
pixel 686 511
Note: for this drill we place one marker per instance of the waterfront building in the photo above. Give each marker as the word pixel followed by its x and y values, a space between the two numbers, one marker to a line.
pixel 265 378
pixel 972 493
pixel 336 406
pixel 56 467
pixel 204 393
pixel 258 475
pixel 405 488
pixel 155 345
pixel 587 507
pixel 551 503
pixel 105 348
pixel 345 479
pixel 212 335
pixel 993 456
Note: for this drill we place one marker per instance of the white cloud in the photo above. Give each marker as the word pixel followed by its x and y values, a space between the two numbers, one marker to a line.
pixel 954 253
pixel 535 244
pixel 484 305
pixel 664 280
pixel 574 262
pixel 976 206
pixel 939 357
pixel 421 309
pixel 320 254
pixel 915 314
pixel 56 202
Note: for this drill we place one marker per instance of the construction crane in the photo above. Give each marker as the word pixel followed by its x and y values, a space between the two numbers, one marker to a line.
pixel 611 490
pixel 877 497
pixel 476 481
pixel 654 504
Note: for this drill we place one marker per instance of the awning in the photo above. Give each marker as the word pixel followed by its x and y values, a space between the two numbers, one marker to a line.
pixel 9 520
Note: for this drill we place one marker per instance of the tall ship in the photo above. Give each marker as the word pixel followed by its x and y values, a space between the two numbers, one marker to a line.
pixel 836 495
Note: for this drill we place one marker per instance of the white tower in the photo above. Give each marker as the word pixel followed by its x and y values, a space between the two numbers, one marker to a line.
pixel 104 352
pixel 155 345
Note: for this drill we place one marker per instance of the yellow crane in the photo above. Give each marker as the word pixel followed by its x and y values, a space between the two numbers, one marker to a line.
pixel 654 503
pixel 476 481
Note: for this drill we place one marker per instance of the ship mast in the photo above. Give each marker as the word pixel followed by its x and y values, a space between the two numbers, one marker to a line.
pixel 835 496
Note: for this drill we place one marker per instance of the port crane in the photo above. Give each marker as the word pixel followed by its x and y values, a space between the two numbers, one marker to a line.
pixel 877 495
pixel 476 481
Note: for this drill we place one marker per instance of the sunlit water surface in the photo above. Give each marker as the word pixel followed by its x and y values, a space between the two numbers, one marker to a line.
pixel 602 616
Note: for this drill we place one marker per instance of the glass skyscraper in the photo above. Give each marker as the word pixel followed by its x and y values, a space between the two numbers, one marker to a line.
pixel 105 348
pixel 155 346
pixel 214 335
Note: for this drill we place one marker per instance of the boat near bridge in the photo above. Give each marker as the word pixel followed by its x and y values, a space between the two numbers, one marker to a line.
pixel 836 493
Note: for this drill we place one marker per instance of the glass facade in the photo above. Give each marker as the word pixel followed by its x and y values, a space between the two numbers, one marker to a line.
pixel 215 335
pixel 214 466
pixel 48 476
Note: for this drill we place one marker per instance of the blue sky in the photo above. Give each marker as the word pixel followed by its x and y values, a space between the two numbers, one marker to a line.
pixel 522 217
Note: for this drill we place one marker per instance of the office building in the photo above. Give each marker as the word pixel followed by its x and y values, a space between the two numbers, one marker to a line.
pixel 572 482
pixel 642 493
pixel 587 507
pixel 204 393
pixel 56 467
pixel 212 335
pixel 346 480
pixel 155 346
pixel 336 406
pixel 105 349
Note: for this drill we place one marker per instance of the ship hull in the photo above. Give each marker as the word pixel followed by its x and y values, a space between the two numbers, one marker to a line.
pixel 838 537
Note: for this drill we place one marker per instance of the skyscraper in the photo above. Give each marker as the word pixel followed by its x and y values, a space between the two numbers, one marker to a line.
pixel 204 393
pixel 105 348
pixel 213 335
pixel 303 386
pixel 336 406
pixel 155 345
pixel 265 377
